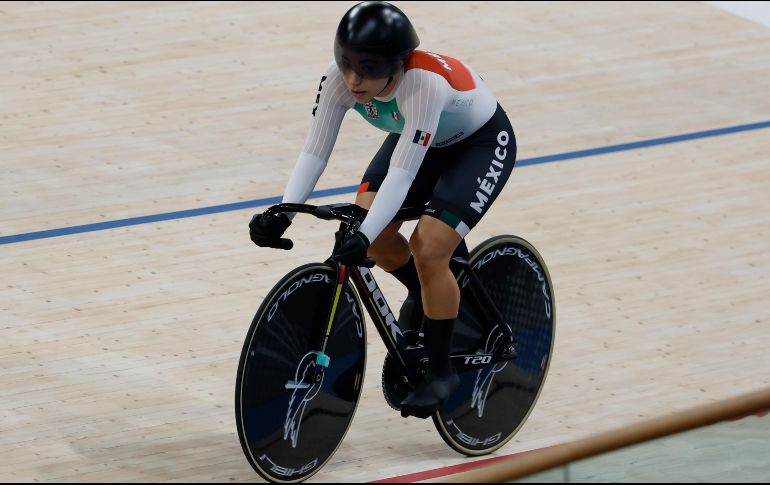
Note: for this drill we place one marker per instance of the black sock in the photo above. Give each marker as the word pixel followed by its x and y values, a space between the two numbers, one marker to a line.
pixel 407 275
pixel 438 334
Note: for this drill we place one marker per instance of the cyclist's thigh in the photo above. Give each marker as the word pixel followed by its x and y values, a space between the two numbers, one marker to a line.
pixel 365 200
pixel 476 171
pixel 422 187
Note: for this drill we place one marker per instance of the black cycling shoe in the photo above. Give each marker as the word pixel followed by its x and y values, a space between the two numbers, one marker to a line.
pixel 429 395
pixel 410 316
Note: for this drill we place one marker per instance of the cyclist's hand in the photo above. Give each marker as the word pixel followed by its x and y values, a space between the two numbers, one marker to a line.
pixel 266 230
pixel 353 250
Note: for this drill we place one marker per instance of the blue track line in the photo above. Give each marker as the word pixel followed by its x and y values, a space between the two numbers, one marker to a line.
pixel 167 216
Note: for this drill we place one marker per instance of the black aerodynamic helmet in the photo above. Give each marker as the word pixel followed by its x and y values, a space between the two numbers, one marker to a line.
pixel 373 39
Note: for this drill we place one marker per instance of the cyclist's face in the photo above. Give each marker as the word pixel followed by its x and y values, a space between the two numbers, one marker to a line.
pixel 362 89
pixel 365 74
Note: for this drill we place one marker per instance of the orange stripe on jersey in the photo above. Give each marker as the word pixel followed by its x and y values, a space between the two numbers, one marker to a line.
pixel 364 187
pixel 456 74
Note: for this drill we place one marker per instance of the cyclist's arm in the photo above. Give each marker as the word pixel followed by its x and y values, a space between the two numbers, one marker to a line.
pixel 425 94
pixel 333 101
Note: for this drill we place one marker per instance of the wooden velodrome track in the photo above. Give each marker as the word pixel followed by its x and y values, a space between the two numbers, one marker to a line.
pixel 119 345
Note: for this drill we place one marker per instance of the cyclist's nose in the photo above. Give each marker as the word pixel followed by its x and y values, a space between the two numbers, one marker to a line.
pixel 351 78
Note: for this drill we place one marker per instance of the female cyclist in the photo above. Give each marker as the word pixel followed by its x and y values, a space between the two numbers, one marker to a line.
pixel 450 147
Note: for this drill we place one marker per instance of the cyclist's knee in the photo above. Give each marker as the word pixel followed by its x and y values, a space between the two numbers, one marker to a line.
pixel 432 247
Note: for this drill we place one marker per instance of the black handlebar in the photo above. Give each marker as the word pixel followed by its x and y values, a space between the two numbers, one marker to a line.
pixel 344 212
pixel 347 213
pixel 351 215
pixel 282 243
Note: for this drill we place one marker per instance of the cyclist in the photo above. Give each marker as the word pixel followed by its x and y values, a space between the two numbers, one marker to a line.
pixel 450 146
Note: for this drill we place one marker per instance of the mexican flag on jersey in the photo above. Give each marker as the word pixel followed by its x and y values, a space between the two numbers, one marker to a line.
pixel 421 138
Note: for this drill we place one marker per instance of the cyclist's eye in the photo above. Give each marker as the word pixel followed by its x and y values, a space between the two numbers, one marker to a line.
pixel 368 70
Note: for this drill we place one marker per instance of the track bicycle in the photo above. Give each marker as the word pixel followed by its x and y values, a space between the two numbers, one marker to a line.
pixel 303 361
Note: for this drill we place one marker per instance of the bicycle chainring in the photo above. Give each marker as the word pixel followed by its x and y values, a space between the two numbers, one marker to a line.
pixel 393 386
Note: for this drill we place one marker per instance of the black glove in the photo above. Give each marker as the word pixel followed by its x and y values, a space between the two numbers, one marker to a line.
pixel 266 230
pixel 353 250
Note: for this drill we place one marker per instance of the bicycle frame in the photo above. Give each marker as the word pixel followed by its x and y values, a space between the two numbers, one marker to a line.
pixel 407 357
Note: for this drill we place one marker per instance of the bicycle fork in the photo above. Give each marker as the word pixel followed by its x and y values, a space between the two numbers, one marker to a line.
pixel 311 369
pixel 323 360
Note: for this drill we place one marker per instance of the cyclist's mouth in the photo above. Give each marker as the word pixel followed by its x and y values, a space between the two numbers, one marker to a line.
pixel 358 94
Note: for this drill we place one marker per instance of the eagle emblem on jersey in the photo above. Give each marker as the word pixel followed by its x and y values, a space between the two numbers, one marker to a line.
pixel 371 111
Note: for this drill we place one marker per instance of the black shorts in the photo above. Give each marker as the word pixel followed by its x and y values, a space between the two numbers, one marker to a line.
pixel 459 182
